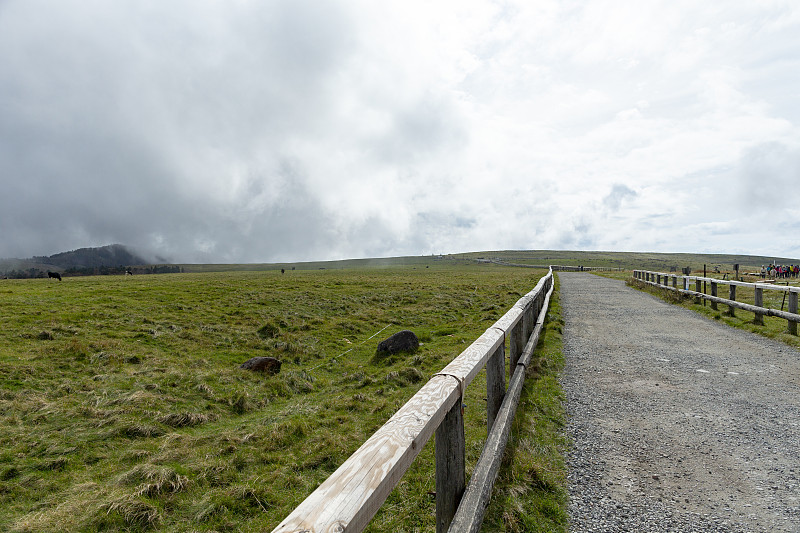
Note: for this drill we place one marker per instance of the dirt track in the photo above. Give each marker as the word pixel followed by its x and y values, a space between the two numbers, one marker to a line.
pixel 678 423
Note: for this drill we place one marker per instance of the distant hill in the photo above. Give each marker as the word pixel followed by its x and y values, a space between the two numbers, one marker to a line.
pixel 105 256
pixel 83 260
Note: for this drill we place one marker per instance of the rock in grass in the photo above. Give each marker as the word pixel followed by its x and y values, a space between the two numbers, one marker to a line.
pixel 402 341
pixel 270 365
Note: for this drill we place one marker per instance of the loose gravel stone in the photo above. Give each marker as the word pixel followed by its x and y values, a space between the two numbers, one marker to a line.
pixel 678 423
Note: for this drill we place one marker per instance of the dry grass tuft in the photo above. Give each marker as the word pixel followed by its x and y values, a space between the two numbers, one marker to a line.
pixel 180 420
pixel 153 480
pixel 134 511
pixel 135 430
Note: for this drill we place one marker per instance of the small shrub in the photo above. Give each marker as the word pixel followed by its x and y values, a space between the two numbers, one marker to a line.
pixel 240 403
pixel 269 331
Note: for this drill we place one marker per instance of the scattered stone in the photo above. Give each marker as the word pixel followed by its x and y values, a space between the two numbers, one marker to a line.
pixel 269 365
pixel 402 341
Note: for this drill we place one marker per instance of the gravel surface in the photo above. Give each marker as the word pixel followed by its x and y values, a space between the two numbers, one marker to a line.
pixel 678 423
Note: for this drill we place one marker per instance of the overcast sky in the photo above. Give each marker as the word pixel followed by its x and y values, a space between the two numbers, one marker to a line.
pixel 261 131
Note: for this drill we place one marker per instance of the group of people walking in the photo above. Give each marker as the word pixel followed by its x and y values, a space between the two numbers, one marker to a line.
pixel 780 271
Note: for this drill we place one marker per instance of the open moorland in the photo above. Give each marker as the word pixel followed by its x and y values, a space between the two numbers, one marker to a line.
pixel 123 407
pixel 615 260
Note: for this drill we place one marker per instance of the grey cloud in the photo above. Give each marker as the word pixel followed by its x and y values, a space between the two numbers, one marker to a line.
pixel 764 175
pixel 619 192
pixel 428 125
pixel 118 127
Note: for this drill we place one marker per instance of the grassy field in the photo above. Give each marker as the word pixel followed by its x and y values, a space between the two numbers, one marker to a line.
pixel 123 408
pixel 661 262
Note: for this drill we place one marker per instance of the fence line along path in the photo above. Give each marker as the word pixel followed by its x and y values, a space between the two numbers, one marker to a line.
pixel 679 423
pixel 683 285
pixel 351 496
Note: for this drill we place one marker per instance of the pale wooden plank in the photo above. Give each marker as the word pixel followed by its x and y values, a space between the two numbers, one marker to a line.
pixel 467 365
pixel 508 320
pixel 351 496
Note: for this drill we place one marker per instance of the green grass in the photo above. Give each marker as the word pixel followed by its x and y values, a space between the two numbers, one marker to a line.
pixel 656 261
pixel 122 407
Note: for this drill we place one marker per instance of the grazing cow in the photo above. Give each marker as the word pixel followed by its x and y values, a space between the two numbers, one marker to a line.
pixel 128 272
pixel 55 275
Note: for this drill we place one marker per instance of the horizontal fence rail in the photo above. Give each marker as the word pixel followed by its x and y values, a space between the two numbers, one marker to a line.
pixel 351 496
pixel 682 285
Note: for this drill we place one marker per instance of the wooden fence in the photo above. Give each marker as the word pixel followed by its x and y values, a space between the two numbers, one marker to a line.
pixel 671 281
pixel 351 496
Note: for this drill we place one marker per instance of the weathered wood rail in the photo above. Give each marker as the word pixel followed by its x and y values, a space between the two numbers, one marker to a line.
pixel 671 281
pixel 351 496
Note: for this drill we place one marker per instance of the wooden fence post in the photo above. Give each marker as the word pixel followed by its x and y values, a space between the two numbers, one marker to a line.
pixel 674 282
pixel 698 286
pixel 527 327
pixel 732 297
pixel 450 474
pixel 515 345
pixel 759 302
pixel 792 325
pixel 495 384
pixel 714 293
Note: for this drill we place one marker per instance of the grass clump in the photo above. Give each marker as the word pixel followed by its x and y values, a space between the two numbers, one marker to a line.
pixel 152 480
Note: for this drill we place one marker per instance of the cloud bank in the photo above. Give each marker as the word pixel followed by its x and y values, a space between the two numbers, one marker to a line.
pixel 294 130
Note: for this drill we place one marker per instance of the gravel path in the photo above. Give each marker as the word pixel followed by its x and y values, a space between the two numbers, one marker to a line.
pixel 678 423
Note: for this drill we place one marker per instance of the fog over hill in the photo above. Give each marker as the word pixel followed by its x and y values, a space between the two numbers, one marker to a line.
pixel 113 255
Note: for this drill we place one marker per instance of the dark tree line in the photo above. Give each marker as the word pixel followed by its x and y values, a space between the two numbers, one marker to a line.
pixel 95 271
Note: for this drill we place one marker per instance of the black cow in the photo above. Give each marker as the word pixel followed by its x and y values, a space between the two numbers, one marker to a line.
pixel 54 275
